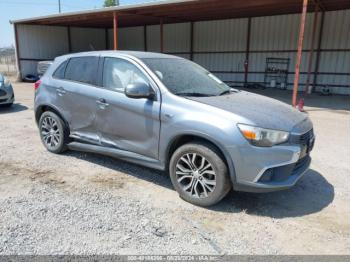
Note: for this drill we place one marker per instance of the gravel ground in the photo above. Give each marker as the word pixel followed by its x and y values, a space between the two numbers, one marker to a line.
pixel 79 203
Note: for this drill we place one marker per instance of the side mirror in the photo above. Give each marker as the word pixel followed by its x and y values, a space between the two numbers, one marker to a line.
pixel 139 90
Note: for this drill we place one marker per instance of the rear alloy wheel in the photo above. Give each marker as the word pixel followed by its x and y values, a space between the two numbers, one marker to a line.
pixel 52 132
pixel 199 174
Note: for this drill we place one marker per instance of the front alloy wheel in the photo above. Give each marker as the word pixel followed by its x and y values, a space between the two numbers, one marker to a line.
pixel 196 175
pixel 199 173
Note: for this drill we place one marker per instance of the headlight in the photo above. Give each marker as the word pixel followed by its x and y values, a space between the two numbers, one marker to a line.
pixel 6 81
pixel 258 136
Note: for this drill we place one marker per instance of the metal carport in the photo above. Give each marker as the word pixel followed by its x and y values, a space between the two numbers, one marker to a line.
pixel 214 33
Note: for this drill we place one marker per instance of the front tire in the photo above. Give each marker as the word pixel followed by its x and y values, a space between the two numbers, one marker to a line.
pixel 199 174
pixel 6 105
pixel 53 132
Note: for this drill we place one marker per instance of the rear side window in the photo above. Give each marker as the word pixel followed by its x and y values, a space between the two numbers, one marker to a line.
pixel 59 73
pixel 82 69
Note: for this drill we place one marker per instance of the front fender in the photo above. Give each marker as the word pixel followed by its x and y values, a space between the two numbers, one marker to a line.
pixel 220 137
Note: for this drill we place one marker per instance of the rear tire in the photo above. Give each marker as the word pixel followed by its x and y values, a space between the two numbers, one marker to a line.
pixel 199 174
pixel 53 132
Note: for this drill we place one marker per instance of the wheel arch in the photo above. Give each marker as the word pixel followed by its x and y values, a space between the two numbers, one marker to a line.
pixel 182 139
pixel 44 108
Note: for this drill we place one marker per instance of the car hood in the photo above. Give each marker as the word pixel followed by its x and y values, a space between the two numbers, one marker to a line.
pixel 261 110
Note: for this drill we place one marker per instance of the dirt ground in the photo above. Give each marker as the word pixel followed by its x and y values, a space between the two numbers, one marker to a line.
pixel 79 203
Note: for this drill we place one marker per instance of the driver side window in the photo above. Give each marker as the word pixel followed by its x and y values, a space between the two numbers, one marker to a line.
pixel 118 73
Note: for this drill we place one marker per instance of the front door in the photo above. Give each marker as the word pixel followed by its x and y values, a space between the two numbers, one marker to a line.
pixel 126 123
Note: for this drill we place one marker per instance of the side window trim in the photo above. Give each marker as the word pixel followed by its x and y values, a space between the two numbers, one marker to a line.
pixel 144 72
pixel 101 63
pixel 64 70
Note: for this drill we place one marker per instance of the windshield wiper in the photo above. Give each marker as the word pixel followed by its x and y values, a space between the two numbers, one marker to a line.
pixel 227 92
pixel 193 94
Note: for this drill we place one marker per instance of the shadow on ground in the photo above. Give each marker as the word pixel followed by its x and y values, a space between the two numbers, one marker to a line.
pixel 140 172
pixel 312 193
pixel 15 108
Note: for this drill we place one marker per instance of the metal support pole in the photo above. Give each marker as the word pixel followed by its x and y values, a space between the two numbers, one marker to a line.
pixel 18 55
pixel 69 39
pixel 115 31
pixel 145 37
pixel 161 36
pixel 319 44
pixel 106 39
pixel 192 40
pixel 246 62
pixel 299 53
pixel 311 52
pixel 59 6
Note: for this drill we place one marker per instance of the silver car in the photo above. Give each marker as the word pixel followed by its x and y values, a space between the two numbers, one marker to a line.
pixel 168 113
pixel 7 96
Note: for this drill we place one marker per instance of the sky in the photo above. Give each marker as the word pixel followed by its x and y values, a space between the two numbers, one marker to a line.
pixel 19 9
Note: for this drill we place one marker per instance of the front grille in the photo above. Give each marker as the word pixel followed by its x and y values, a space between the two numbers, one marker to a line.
pixel 305 138
pixel 2 93
pixel 301 163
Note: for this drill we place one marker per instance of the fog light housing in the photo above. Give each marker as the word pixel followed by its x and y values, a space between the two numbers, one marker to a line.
pixel 267 176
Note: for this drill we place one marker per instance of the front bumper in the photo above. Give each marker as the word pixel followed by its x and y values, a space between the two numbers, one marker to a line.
pixel 6 95
pixel 276 168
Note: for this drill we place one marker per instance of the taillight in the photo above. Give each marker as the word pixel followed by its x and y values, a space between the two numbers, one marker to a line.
pixel 37 84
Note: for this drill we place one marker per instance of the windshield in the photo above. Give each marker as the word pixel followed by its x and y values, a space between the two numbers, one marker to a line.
pixel 183 77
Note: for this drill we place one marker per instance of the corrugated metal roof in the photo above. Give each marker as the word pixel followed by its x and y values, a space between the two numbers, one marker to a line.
pixel 175 11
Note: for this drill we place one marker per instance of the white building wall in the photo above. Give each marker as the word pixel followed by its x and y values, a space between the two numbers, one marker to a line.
pixel 87 39
pixel 213 42
pixel 153 38
pixel 223 35
pixel 336 36
pixel 277 37
pixel 37 43
pixel 131 38
pixel 40 42
pixel 177 38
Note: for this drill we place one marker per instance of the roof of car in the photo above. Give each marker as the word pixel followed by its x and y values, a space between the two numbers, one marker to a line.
pixel 137 54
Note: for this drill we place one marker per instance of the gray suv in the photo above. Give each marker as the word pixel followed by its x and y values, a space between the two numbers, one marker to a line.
pixel 168 113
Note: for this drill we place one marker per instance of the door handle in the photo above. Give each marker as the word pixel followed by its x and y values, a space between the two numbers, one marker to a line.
pixel 102 103
pixel 60 91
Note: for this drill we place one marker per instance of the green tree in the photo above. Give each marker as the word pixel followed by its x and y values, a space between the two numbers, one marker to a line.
pixel 109 3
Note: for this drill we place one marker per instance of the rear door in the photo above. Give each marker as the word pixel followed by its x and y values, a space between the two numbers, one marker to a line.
pixel 77 94
pixel 126 123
